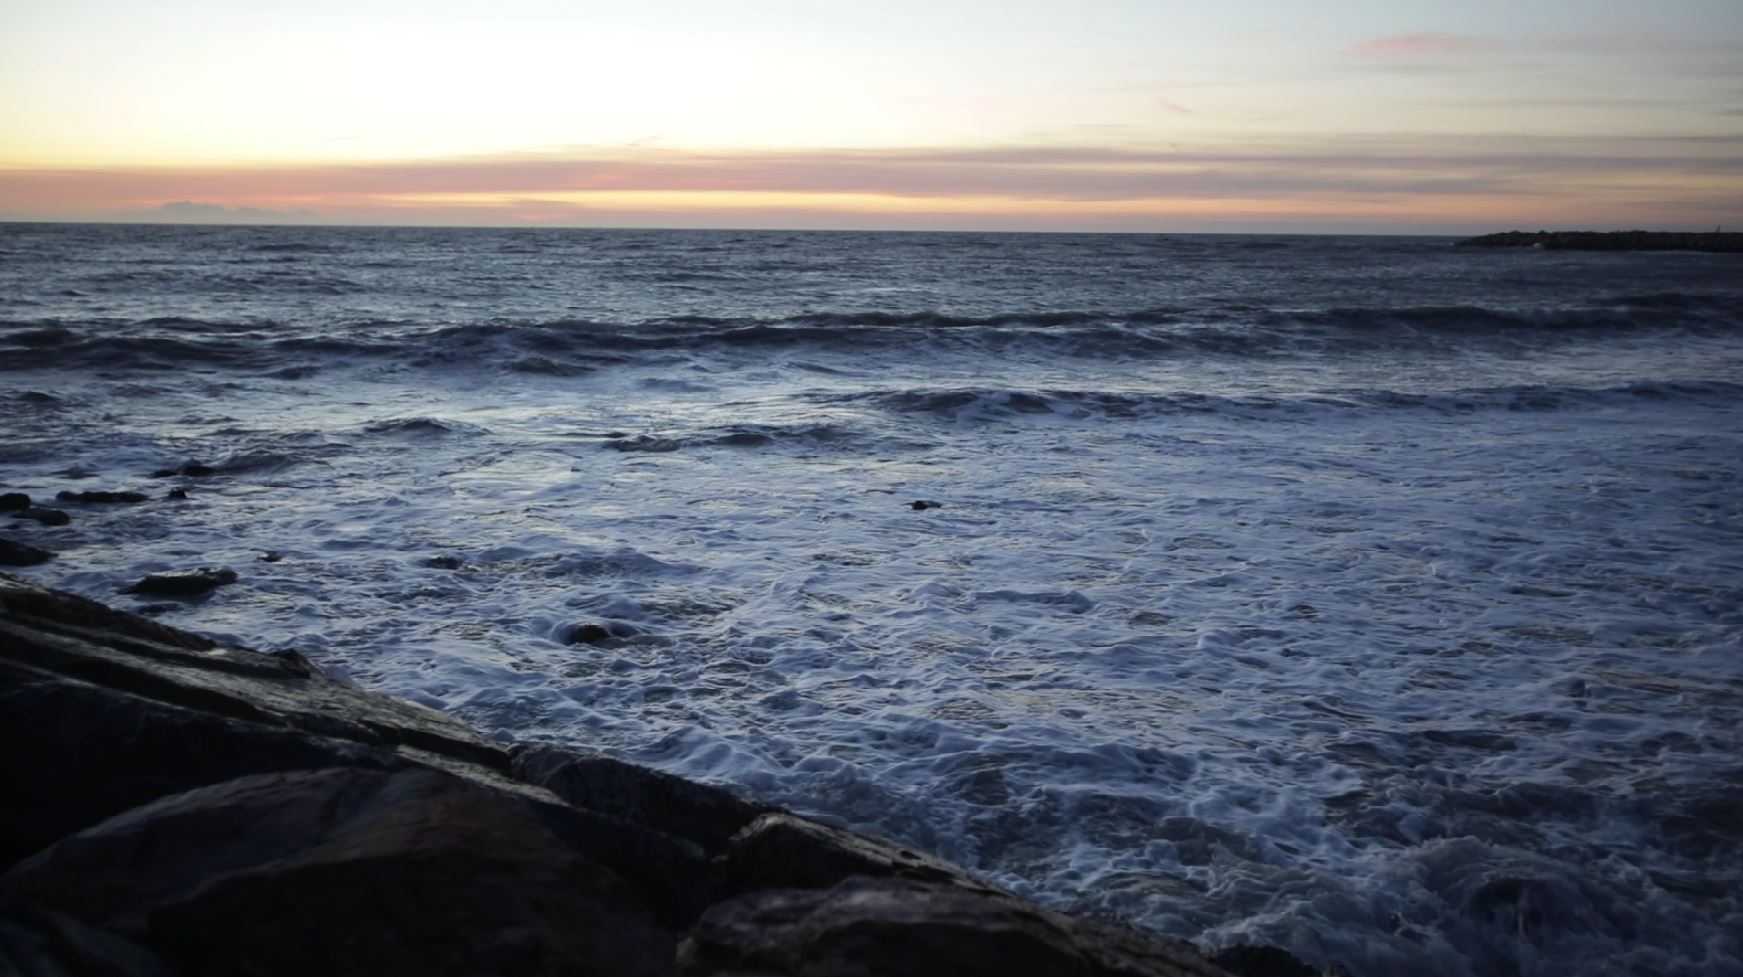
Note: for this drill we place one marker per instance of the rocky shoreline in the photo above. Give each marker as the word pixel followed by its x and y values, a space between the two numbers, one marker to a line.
pixel 1716 242
pixel 179 807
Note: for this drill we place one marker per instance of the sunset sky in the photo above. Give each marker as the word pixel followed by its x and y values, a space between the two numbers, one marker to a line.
pixel 1092 115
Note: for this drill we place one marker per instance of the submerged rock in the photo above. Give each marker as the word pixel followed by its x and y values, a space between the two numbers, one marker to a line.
pixel 444 563
pixel 643 442
pixel 923 504
pixel 46 515
pixel 588 634
pixel 593 634
pixel 183 583
pixel 15 554
pixel 128 497
pixel 14 502
pixel 192 469
pixel 176 493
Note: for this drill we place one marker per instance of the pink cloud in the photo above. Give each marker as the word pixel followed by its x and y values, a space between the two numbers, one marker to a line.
pixel 1345 172
pixel 1424 46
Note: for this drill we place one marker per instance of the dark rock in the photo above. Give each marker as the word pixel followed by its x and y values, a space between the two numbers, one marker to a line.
pixel 176 493
pixel 709 816
pixel 13 554
pixel 271 556
pixel 1717 242
pixel 609 633
pixel 183 583
pixel 238 813
pixel 1248 960
pixel 923 504
pixel 102 710
pixel 644 442
pixel 46 515
pixel 783 850
pixel 38 397
pixel 588 634
pixel 192 469
pixel 865 927
pixel 212 879
pixel 14 502
pixel 100 497
pixel 444 563
pixel 34 943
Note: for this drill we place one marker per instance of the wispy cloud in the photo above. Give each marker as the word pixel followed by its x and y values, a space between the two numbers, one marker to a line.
pixel 188 211
pixel 1402 176
pixel 1424 46
pixel 1438 47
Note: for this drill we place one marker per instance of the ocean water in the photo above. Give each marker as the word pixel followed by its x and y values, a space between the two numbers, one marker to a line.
pixel 1372 597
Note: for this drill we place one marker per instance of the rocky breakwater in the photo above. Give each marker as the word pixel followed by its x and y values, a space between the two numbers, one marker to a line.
pixel 1717 242
pixel 175 806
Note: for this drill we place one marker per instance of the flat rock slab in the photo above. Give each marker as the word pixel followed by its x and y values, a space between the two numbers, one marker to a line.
pixel 868 927
pixel 411 871
pixel 101 497
pixel 782 850
pixel 45 515
pixel 15 554
pixel 183 583
pixel 34 943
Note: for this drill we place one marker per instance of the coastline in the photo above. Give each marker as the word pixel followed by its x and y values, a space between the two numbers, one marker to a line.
pixel 1711 242
pixel 184 806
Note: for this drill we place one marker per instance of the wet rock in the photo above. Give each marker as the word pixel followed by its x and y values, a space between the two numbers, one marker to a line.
pixel 46 515
pixel 271 556
pixel 176 493
pixel 588 634
pixel 1248 960
pixel 643 442
pixel 38 397
pixel 881 926
pixel 192 469
pixel 238 813
pixel 708 816
pixel 594 634
pixel 920 505
pixel 212 879
pixel 173 711
pixel 1717 242
pixel 444 563
pixel 782 850
pixel 14 502
pixel 183 583
pixel 14 554
pixel 100 497
pixel 34 943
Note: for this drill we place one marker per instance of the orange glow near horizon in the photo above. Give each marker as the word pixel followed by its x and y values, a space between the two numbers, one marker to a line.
pixel 1383 181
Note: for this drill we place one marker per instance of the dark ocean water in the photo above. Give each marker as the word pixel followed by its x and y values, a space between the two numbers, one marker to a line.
pixel 1373 597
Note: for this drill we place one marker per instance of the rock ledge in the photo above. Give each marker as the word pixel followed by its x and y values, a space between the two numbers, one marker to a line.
pixel 176 806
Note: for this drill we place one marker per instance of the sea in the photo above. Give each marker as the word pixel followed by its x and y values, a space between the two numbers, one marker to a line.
pixel 1376 598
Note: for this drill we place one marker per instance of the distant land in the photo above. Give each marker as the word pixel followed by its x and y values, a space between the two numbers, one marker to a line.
pixel 1715 241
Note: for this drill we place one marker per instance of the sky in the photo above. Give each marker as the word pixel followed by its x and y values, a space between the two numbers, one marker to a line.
pixel 1219 115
